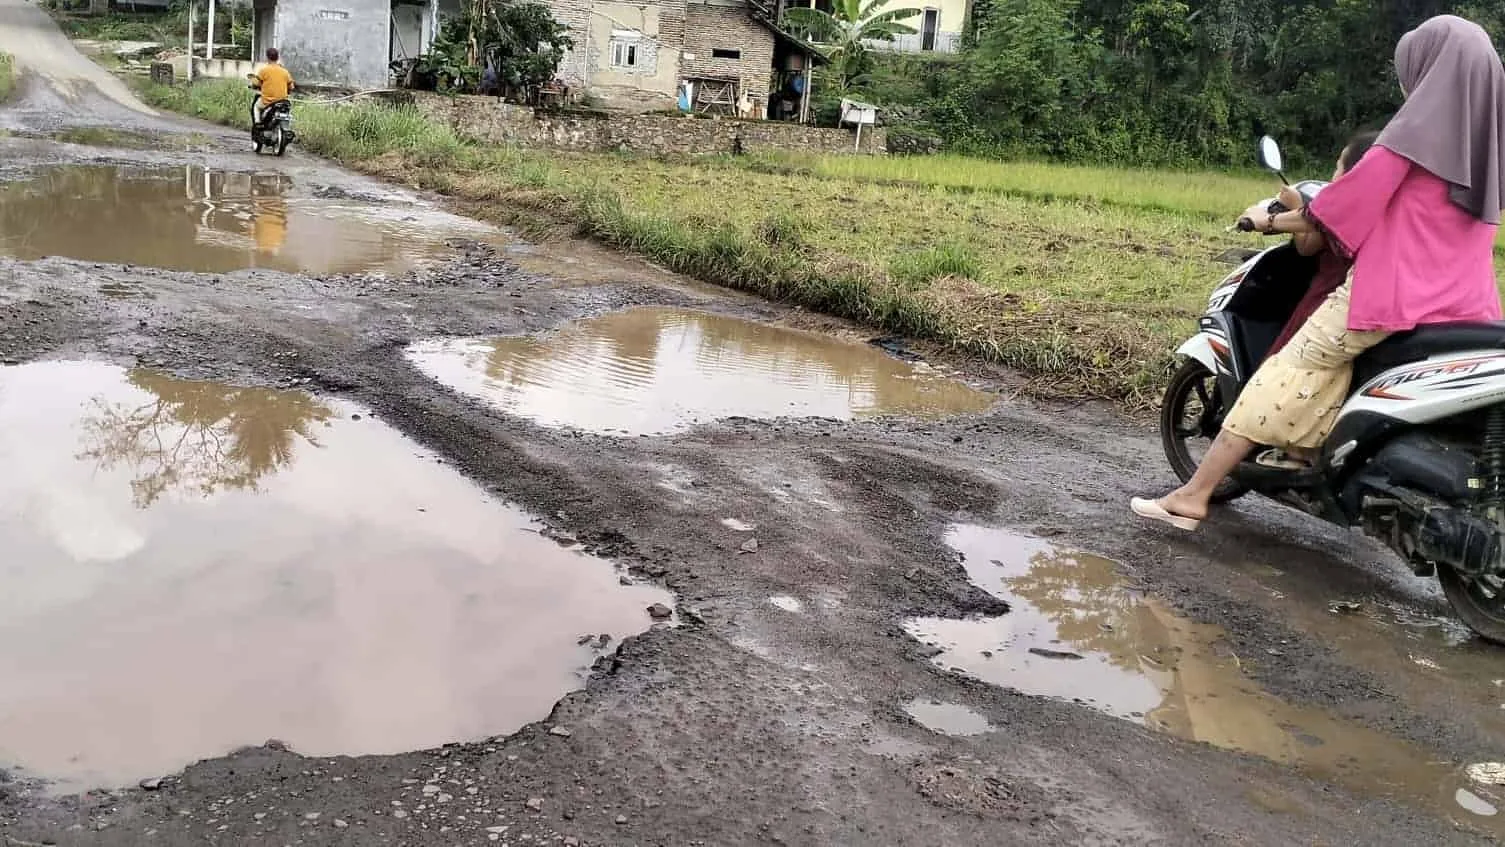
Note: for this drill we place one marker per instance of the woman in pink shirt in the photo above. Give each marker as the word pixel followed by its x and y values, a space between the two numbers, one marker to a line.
pixel 1418 216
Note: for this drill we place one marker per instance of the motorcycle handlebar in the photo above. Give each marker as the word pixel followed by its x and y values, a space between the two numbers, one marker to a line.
pixel 1247 225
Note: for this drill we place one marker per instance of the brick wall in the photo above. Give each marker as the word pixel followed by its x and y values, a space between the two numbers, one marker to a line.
pixel 710 27
pixel 489 120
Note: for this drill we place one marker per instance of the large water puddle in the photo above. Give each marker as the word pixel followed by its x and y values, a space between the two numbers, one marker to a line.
pixel 655 371
pixel 191 567
pixel 191 219
pixel 1077 632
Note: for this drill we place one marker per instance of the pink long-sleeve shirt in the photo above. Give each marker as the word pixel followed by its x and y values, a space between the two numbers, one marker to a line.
pixel 1417 257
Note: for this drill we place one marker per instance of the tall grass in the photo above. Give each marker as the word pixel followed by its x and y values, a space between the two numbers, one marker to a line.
pixel 7 76
pixel 348 132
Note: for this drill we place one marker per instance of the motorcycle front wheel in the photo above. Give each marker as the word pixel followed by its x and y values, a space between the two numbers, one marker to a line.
pixel 1190 417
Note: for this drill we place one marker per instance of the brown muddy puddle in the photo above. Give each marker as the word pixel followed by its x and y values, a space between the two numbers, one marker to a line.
pixel 191 219
pixel 656 371
pixel 1077 632
pixel 192 567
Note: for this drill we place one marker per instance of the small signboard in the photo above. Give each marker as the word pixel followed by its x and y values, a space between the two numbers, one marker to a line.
pixel 861 114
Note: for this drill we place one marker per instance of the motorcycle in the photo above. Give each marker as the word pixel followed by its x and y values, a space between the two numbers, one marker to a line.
pixel 1416 458
pixel 275 129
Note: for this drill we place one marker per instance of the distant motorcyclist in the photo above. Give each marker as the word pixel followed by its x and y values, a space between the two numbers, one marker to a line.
pixel 273 81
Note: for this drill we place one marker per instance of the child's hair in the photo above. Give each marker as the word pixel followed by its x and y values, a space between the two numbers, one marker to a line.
pixel 1358 145
pixel 272 54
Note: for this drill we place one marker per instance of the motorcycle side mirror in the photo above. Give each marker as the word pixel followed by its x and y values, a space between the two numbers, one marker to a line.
pixel 1269 156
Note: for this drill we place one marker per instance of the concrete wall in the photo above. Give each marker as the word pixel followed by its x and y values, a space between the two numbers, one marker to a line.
pixel 339 43
pixel 489 120
pixel 653 83
pixel 950 24
pixel 223 69
pixel 710 26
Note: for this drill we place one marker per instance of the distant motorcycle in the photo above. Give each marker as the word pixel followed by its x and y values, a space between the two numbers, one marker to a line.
pixel 275 129
pixel 1417 456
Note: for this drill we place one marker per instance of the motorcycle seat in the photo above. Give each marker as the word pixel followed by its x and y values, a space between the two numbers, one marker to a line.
pixel 1403 348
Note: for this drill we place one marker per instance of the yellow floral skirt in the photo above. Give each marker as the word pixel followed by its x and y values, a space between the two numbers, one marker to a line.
pixel 1294 398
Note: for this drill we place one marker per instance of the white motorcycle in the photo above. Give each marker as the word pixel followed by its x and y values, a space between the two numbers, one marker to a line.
pixel 1417 456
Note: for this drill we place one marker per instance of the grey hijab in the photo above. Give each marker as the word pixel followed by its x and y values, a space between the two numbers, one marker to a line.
pixel 1453 120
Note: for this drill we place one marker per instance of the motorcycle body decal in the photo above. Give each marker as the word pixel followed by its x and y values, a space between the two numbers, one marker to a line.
pixel 1434 389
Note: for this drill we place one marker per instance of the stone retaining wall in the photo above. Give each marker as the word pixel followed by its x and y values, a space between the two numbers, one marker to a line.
pixel 490 120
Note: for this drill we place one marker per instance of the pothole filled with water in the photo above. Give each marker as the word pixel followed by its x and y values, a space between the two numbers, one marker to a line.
pixel 1075 631
pixel 192 219
pixel 947 718
pixel 657 371
pixel 191 567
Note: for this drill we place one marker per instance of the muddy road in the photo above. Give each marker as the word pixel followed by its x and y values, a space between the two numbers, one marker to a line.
pixel 331 518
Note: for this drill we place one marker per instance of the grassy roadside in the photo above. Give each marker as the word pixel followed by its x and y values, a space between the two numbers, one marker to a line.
pixel 1083 278
pixel 7 76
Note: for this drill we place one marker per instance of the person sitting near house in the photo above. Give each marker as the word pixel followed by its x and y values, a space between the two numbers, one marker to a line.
pixel 274 83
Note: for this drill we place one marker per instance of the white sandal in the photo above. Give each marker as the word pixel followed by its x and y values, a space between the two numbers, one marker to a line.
pixel 1154 511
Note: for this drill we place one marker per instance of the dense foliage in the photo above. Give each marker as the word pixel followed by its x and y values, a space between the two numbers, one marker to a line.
pixel 1165 82
pixel 845 31
pixel 506 48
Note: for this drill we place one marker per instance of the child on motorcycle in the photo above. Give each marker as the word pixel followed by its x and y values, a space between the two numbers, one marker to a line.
pixel 1418 217
pixel 1332 266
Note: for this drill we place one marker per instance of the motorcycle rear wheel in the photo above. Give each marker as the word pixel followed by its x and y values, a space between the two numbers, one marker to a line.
pixel 1473 603
pixel 282 141
pixel 1192 413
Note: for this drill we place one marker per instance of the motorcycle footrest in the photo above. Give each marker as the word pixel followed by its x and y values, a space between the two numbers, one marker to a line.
pixel 1262 478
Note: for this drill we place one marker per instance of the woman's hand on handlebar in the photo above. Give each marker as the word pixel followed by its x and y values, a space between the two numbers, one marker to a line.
pixel 1256 217
pixel 1290 198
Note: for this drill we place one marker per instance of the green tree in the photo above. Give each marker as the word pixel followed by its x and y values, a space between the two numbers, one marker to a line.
pixel 521 43
pixel 844 32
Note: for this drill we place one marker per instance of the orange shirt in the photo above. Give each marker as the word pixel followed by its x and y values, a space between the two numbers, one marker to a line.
pixel 275 83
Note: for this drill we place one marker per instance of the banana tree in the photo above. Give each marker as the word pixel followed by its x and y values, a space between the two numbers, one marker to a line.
pixel 844 32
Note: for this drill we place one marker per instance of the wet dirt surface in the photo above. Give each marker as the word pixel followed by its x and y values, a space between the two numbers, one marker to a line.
pixel 194 219
pixel 656 371
pixel 1076 631
pixel 775 712
pixel 947 718
pixel 217 566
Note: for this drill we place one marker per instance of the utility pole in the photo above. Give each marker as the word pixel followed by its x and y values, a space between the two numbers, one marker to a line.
pixel 209 42
pixel 191 5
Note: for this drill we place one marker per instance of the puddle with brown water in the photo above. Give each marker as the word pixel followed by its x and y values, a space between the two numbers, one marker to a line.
pixel 191 567
pixel 655 371
pixel 1075 631
pixel 190 219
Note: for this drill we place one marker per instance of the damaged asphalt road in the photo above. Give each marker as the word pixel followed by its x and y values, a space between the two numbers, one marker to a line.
pixel 790 701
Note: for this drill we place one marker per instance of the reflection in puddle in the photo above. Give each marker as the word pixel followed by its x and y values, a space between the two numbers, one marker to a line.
pixel 191 567
pixel 1141 662
pixel 191 219
pixel 652 371
pixel 947 718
